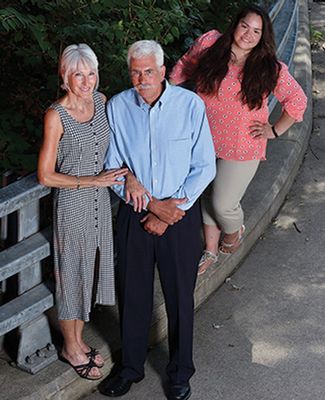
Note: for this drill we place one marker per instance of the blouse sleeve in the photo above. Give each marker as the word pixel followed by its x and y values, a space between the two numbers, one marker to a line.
pixel 191 57
pixel 290 94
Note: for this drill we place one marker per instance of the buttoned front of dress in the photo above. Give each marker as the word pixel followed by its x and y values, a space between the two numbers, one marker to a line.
pixel 82 217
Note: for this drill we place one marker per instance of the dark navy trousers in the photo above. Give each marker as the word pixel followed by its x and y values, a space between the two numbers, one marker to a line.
pixel 177 254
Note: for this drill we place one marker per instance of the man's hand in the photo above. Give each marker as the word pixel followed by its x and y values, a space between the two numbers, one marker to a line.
pixel 135 192
pixel 167 210
pixel 154 225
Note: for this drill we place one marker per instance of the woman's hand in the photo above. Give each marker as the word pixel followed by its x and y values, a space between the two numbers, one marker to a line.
pixel 110 177
pixel 259 130
pixel 135 192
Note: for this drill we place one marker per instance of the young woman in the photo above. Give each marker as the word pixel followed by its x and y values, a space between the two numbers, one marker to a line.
pixel 76 136
pixel 234 74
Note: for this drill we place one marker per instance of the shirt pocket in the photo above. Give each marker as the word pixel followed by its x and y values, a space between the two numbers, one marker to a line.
pixel 180 153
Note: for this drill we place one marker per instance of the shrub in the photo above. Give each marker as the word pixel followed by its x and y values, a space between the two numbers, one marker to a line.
pixel 34 32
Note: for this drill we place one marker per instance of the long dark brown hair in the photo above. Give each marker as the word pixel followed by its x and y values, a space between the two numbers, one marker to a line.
pixel 261 69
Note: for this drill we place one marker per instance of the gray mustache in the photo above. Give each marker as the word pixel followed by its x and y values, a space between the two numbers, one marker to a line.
pixel 145 86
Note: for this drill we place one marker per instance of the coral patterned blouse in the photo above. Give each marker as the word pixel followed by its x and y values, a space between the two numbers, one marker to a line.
pixel 229 119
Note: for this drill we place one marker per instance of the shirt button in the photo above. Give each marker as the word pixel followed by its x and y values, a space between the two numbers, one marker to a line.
pixel 96 218
pixel 96 154
pixel 96 226
pixel 96 162
pixel 96 209
pixel 96 200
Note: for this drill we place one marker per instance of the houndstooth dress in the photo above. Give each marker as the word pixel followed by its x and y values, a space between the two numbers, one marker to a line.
pixel 82 218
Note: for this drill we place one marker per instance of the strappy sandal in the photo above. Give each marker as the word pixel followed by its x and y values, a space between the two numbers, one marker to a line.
pixel 92 353
pixel 83 370
pixel 230 248
pixel 207 259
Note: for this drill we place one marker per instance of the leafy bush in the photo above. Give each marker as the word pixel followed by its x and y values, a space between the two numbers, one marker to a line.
pixel 34 32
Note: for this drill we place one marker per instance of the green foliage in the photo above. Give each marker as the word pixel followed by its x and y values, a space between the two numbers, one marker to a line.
pixel 34 32
pixel 218 13
pixel 316 37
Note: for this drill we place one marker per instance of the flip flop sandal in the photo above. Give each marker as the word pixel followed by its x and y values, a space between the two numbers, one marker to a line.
pixel 207 259
pixel 230 248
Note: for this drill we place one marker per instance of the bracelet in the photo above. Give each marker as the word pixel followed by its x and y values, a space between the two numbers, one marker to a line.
pixel 78 182
pixel 274 132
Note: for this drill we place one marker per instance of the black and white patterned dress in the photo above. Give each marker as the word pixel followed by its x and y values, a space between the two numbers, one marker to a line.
pixel 82 218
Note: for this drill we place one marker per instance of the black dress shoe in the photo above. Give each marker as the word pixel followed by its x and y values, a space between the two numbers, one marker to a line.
pixel 116 387
pixel 179 392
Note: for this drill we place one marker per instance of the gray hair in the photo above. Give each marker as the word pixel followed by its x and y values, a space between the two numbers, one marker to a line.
pixel 143 48
pixel 74 55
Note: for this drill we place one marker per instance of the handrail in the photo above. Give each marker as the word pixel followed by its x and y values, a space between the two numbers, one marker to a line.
pixel 20 193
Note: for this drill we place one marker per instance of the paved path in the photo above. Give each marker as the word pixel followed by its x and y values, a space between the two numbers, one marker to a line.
pixel 261 336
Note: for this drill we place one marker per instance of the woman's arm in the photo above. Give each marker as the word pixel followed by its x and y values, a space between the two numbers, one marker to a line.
pixel 47 175
pixel 259 130
pixel 293 101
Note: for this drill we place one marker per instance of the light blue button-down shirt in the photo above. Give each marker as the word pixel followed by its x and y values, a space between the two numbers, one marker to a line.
pixel 168 147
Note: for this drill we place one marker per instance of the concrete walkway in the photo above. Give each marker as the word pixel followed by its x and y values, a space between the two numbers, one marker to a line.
pixel 261 336
pixel 244 346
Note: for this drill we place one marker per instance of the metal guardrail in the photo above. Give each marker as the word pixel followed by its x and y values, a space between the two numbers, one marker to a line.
pixel 23 259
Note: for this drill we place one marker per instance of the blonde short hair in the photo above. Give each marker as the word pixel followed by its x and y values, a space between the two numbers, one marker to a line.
pixel 74 55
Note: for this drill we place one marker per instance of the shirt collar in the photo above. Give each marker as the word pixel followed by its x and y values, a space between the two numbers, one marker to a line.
pixel 162 99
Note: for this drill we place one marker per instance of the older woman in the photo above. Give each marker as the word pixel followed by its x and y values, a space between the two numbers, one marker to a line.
pixel 234 73
pixel 76 136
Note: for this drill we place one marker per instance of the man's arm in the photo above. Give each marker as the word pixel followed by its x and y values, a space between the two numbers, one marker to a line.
pixel 202 170
pixel 203 160
pixel 136 193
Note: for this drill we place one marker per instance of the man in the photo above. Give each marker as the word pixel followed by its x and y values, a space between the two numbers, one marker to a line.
pixel 160 132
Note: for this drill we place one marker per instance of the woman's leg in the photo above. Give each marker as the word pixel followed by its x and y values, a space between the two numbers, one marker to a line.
pixel 85 348
pixel 210 254
pixel 211 230
pixel 211 237
pixel 229 188
pixel 71 349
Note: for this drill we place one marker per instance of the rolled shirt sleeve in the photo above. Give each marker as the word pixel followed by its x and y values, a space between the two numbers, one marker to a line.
pixel 290 94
